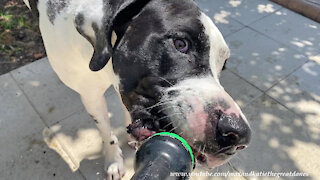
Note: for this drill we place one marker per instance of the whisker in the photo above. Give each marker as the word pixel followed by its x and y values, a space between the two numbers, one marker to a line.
pixel 157 104
pixel 164 103
pixel 166 81
pixel 204 148
pixel 167 108
pixel 236 157
pixel 167 116
pixel 231 165
pixel 170 123
pixel 173 129
pixel 200 148
pixel 180 134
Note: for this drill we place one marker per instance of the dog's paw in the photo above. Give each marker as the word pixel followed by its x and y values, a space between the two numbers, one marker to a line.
pixel 115 171
pixel 114 164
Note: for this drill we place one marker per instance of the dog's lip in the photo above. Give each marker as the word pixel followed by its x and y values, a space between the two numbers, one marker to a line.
pixel 222 152
pixel 202 157
pixel 230 153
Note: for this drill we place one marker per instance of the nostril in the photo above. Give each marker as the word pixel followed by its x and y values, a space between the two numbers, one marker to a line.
pixel 233 131
pixel 241 147
pixel 231 135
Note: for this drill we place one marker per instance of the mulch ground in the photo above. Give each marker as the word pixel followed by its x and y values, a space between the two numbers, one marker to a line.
pixel 20 39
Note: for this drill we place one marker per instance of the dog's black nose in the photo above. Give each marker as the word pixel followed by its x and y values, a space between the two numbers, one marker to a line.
pixel 233 131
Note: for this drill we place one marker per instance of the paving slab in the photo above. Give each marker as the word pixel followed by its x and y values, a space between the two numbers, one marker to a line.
pixel 244 11
pixel 260 60
pixel 240 90
pixel 293 30
pixel 221 19
pixel 24 154
pixel 226 25
pixel 300 92
pixel 281 141
pixel 51 98
pixel 81 141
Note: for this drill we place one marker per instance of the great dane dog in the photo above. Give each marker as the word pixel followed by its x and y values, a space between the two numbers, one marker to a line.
pixel 163 57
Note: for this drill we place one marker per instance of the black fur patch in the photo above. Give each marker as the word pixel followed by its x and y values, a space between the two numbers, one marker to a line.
pixel 55 7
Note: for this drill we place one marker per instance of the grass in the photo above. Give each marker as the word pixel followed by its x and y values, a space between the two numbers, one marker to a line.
pixel 8 21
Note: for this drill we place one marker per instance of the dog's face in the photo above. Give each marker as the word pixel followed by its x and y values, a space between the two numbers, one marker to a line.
pixel 168 57
pixel 169 60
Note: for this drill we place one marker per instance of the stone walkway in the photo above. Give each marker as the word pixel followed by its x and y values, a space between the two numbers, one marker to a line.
pixel 273 74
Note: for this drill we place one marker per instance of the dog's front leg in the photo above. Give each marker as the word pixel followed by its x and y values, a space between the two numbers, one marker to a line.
pixel 97 107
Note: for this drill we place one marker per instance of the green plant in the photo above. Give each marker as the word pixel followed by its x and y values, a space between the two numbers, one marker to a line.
pixel 8 21
pixel 21 22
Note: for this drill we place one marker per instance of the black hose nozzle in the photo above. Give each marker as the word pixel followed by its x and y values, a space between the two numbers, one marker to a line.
pixel 161 156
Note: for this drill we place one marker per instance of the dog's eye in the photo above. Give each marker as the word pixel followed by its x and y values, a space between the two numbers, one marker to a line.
pixel 181 45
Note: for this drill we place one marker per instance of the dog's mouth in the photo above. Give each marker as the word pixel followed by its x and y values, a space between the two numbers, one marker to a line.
pixel 148 121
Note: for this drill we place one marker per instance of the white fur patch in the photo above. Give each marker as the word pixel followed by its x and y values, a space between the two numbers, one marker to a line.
pixel 202 87
pixel 219 50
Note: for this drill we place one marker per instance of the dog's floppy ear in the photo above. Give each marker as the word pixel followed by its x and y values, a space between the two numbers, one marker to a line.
pixel 116 13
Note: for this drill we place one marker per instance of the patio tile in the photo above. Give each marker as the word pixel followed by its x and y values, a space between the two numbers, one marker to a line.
pixel 241 91
pixel 222 20
pixel 227 26
pixel 259 60
pixel 281 141
pixel 294 30
pixel 245 11
pixel 81 140
pixel 24 155
pixel 115 108
pixel 32 159
pixel 78 136
pixel 17 119
pixel 300 92
pixel 51 98
pixel 93 169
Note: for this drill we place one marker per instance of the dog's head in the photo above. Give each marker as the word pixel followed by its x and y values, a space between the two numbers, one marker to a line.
pixel 168 57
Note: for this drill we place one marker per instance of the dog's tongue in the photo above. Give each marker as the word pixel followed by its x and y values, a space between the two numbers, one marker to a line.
pixel 139 131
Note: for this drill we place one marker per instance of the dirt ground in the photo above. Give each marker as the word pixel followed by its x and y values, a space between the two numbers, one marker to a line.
pixel 20 39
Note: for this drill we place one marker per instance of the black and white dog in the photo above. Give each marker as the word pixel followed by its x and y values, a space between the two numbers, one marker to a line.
pixel 163 57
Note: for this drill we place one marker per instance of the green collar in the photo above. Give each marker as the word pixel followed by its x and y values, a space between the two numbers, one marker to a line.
pixel 184 142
